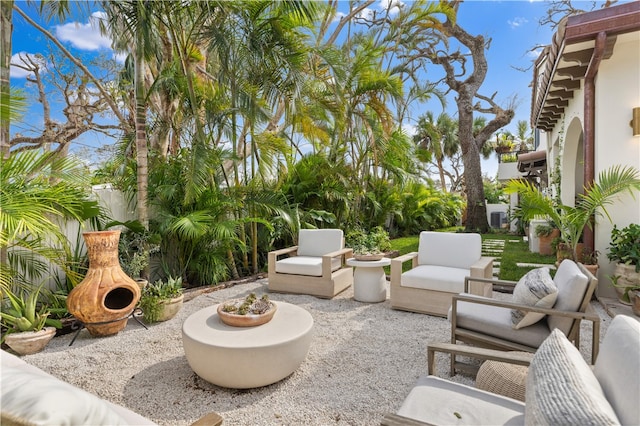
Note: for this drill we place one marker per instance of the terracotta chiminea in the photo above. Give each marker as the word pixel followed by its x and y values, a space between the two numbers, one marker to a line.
pixel 105 299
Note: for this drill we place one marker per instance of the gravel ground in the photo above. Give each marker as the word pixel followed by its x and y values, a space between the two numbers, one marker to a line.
pixel 363 360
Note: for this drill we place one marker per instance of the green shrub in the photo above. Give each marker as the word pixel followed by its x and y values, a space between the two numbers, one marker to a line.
pixel 625 245
pixel 374 241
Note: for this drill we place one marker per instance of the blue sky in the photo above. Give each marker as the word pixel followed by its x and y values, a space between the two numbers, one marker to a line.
pixel 512 26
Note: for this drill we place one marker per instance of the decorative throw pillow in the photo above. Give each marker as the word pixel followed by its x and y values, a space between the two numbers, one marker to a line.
pixel 535 288
pixel 42 400
pixel 562 389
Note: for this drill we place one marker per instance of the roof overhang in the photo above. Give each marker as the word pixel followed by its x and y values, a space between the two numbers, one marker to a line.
pixel 533 165
pixel 562 66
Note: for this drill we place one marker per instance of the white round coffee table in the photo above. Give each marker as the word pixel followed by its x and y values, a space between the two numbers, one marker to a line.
pixel 247 357
pixel 369 280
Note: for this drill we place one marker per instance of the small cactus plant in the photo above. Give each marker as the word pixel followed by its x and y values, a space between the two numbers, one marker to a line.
pixel 23 314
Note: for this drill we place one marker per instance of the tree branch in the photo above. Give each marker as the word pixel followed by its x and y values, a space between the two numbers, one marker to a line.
pixel 112 104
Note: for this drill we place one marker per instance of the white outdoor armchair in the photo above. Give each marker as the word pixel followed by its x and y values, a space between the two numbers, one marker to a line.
pixel 316 266
pixel 561 387
pixel 438 271
pixel 487 322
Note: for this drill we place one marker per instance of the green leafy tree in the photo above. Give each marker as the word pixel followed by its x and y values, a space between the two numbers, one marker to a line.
pixel 439 138
pixel 494 191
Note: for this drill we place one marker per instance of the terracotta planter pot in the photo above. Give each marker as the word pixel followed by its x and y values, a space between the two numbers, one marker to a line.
pixel 106 297
pixel 591 268
pixel 564 252
pixel 30 342
pixel 635 301
pixel 545 242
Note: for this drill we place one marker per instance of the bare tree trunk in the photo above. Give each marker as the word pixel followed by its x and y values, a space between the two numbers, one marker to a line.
pixel 466 84
pixel 6 28
pixel 443 184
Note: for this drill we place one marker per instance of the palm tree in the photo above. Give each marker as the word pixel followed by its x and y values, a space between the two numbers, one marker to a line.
pixel 133 25
pixel 438 137
pixel 37 191
pixel 524 135
pixel 571 220
pixel 256 60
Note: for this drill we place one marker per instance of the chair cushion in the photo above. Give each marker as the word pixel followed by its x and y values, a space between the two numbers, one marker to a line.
pixel 66 409
pixel 572 285
pixel 318 242
pixel 432 277
pixel 305 265
pixel 495 321
pixel 562 389
pixel 436 401
pixel 449 249
pixel 42 399
pixel 617 368
pixel 535 288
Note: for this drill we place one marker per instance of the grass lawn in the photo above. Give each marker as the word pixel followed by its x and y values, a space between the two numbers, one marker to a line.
pixel 515 251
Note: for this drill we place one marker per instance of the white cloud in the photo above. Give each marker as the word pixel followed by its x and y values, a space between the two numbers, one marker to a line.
pixel 409 129
pixel 84 36
pixel 516 22
pixel 18 58
pixel 365 13
pixel 120 57
pixel 394 6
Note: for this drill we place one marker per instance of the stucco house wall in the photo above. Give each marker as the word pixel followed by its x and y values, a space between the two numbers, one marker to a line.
pixel 616 93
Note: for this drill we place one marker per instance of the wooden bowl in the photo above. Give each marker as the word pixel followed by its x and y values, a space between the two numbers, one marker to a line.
pixel 248 320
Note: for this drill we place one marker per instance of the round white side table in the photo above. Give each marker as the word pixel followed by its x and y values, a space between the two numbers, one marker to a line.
pixel 369 280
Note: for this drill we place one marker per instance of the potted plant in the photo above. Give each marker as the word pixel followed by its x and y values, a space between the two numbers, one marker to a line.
pixel 624 249
pixel 162 300
pixel 368 246
pixel 571 220
pixel 503 143
pixel 589 259
pixel 28 327
pixel 546 234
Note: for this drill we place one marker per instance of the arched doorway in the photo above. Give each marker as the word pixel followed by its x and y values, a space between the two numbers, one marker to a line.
pixel 572 163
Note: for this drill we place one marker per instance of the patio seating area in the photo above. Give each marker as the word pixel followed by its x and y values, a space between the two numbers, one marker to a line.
pixel 363 361
pixel 391 264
